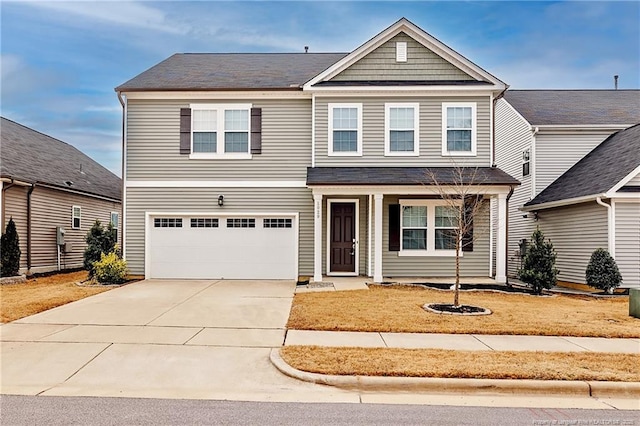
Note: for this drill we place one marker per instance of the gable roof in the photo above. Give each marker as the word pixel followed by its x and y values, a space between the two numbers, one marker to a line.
pixel 350 176
pixel 405 26
pixel 232 71
pixel 598 171
pixel 576 107
pixel 33 157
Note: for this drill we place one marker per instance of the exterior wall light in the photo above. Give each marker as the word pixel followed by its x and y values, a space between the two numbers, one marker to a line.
pixel 221 200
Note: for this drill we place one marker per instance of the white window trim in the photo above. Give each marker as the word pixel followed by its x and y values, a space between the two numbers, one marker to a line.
pixel 220 154
pixel 474 123
pixel 431 229
pixel 73 216
pixel 358 152
pixel 416 130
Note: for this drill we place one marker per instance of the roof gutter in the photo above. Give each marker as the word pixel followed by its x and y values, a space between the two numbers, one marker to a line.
pixel 611 246
pixel 561 203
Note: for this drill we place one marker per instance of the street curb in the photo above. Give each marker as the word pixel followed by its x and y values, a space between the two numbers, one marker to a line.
pixel 449 385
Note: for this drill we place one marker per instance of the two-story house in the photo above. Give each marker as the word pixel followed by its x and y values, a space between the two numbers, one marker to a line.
pixel 576 172
pixel 281 166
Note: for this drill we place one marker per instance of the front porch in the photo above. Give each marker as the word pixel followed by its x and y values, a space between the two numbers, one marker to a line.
pixel 370 230
pixel 335 283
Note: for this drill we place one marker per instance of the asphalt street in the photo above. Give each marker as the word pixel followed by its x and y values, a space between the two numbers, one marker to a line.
pixel 30 410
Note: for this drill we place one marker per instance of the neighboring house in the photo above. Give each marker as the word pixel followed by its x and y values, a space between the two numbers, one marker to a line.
pixel 309 164
pixel 46 184
pixel 543 136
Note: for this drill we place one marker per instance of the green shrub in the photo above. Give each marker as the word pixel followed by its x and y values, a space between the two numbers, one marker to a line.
pixel 602 271
pixel 10 247
pixel 99 240
pixel 538 267
pixel 110 269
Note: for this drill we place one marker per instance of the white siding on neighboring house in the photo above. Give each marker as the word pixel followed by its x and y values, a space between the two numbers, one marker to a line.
pixel 634 182
pixel 153 143
pixel 628 241
pixel 557 152
pixel 373 125
pixel 421 64
pixel 513 136
pixel 575 231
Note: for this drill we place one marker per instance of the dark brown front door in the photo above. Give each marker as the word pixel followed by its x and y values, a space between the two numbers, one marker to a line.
pixel 343 233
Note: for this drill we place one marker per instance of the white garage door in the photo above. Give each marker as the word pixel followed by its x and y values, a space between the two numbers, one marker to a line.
pixel 203 247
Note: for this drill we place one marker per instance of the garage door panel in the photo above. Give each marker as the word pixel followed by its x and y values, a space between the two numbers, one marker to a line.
pixel 223 252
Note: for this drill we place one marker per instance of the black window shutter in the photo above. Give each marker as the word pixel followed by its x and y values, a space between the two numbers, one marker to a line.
pixel 185 130
pixel 394 227
pixel 256 130
pixel 467 238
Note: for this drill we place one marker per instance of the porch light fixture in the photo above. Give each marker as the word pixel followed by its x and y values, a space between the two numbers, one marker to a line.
pixel 221 200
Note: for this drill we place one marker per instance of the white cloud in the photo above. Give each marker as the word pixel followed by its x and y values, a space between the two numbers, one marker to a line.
pixel 124 13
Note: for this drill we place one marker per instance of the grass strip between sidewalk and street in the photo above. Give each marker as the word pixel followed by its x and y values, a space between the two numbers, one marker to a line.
pixel 42 293
pixel 399 309
pixel 394 362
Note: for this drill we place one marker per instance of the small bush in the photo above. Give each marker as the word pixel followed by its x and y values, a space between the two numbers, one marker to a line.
pixel 602 271
pixel 99 240
pixel 538 267
pixel 110 269
pixel 10 247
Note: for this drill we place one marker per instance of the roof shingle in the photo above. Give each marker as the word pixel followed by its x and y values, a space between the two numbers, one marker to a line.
pixel 31 156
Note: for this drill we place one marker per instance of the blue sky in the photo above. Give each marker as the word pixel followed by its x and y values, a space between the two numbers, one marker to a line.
pixel 61 60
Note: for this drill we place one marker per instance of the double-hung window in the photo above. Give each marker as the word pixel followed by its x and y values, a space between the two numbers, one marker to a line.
pixel 402 129
pixel 345 129
pixel 76 217
pixel 114 222
pixel 428 228
pixel 458 129
pixel 220 130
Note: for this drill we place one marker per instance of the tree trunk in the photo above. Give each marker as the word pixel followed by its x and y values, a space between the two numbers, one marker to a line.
pixel 456 291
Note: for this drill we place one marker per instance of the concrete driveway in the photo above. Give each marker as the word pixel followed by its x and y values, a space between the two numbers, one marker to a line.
pixel 160 338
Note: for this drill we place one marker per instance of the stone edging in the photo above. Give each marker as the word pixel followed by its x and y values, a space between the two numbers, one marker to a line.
pixel 446 385
pixel 13 280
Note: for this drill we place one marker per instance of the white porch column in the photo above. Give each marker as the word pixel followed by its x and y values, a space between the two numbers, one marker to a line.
pixel 317 237
pixel 377 243
pixel 501 240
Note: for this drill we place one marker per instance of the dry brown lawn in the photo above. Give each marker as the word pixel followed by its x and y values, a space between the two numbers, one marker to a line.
pixel 464 364
pixel 43 293
pixel 399 309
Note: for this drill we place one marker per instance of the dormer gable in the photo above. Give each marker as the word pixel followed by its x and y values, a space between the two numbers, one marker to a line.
pixel 404 55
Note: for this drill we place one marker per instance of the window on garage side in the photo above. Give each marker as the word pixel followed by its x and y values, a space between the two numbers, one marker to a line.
pixel 241 223
pixel 277 223
pixel 114 220
pixel 76 217
pixel 236 130
pixel 167 222
pixel 205 126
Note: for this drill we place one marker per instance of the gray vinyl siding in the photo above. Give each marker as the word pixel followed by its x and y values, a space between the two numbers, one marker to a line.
pixel 153 143
pixel 556 153
pixel 634 182
pixel 362 229
pixel 628 242
pixel 430 129
pixel 472 264
pixel 422 64
pixel 51 208
pixel 575 231
pixel 513 136
pixel 290 200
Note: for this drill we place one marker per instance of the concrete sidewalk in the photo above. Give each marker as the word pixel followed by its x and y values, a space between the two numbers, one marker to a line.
pixel 469 342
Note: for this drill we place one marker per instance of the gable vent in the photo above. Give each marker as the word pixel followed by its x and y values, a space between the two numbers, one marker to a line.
pixel 401 51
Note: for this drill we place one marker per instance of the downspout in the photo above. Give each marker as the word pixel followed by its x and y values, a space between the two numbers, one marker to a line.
pixel 123 220
pixel 33 186
pixel 610 237
pixel 506 246
pixel 493 127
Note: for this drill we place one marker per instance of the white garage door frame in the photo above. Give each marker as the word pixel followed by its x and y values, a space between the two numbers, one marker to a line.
pixel 149 216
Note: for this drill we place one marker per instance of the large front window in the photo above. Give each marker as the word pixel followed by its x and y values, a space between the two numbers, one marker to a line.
pixel 459 129
pixel 401 132
pixel 429 227
pixel 220 130
pixel 345 129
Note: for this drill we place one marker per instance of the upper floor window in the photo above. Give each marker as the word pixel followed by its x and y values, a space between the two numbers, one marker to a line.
pixel 526 162
pixel 401 129
pixel 76 216
pixel 345 129
pixel 220 130
pixel 459 129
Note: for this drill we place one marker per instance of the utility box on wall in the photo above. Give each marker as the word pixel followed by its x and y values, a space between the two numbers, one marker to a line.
pixel 60 231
